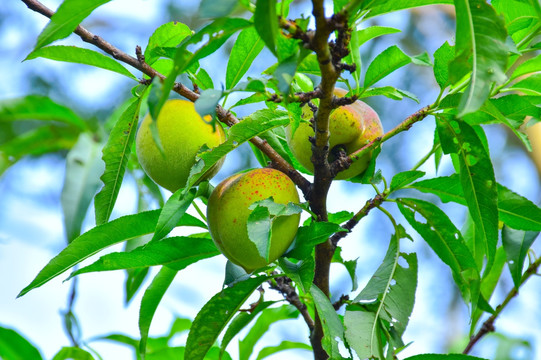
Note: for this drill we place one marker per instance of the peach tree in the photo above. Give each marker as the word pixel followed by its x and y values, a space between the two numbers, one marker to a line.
pixel 488 75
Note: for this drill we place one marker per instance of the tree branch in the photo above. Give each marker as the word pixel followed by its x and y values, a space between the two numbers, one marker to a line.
pixel 283 285
pixel 223 115
pixel 488 325
pixel 351 223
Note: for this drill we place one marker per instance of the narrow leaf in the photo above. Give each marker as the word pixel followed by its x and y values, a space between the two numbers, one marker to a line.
pixel 35 107
pixel 176 252
pixel 78 55
pixel 96 239
pixel 516 244
pixel 284 345
pixel 405 178
pixel 476 177
pixel 68 16
pixel 481 34
pixel 240 321
pixel 151 299
pixel 392 291
pixel 246 48
pixel 256 124
pixel 261 326
pixel 378 7
pixel 116 154
pixel 388 61
pixel 69 353
pixel 446 241
pixel 266 22
pixel 260 230
pixel 443 357
pixel 311 235
pixel 514 210
pixel 172 212
pixel 332 326
pixel 83 169
pixel 13 346
pixel 442 58
pixel 215 314
pixel 168 35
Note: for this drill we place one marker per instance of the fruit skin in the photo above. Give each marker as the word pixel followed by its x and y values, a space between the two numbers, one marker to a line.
pixel 227 215
pixel 351 126
pixel 182 133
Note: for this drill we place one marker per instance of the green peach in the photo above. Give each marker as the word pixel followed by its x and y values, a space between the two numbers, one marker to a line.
pixel 228 211
pixel 182 133
pixel 350 126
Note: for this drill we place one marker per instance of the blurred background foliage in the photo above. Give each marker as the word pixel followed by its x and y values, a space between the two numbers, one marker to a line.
pixel 31 229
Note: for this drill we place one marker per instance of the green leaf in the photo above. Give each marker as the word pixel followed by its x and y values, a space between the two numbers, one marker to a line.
pixel 443 357
pixel 332 326
pixel 376 7
pixel 268 317
pixel 13 346
pixel 518 212
pixel 35 107
pixel 514 210
pixel 151 299
pixel 442 58
pixel 284 345
pixel 527 67
pixel 246 48
pixel 359 332
pixel 78 55
pixel 96 239
pixel 301 272
pixel 214 9
pixel 481 34
pixel 116 154
pixel 392 289
pixel 311 235
pixel 241 321
pixel 516 244
pixel 256 124
pixel 83 169
pixel 388 91
pixel 388 61
pixel 260 230
pixel 372 32
pixel 350 265
pixel 167 35
pixel 266 22
pixel 173 210
pixel 531 85
pixel 405 178
pixel 66 18
pixel 207 102
pixel 38 141
pixel 215 314
pixel 174 252
pixel 69 353
pixel 476 177
pixel 446 241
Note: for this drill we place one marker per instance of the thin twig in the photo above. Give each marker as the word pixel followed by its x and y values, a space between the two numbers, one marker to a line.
pixel 351 223
pixel 224 115
pixel 488 325
pixel 283 285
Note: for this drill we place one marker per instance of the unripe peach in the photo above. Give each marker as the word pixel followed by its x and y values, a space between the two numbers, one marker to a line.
pixel 351 127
